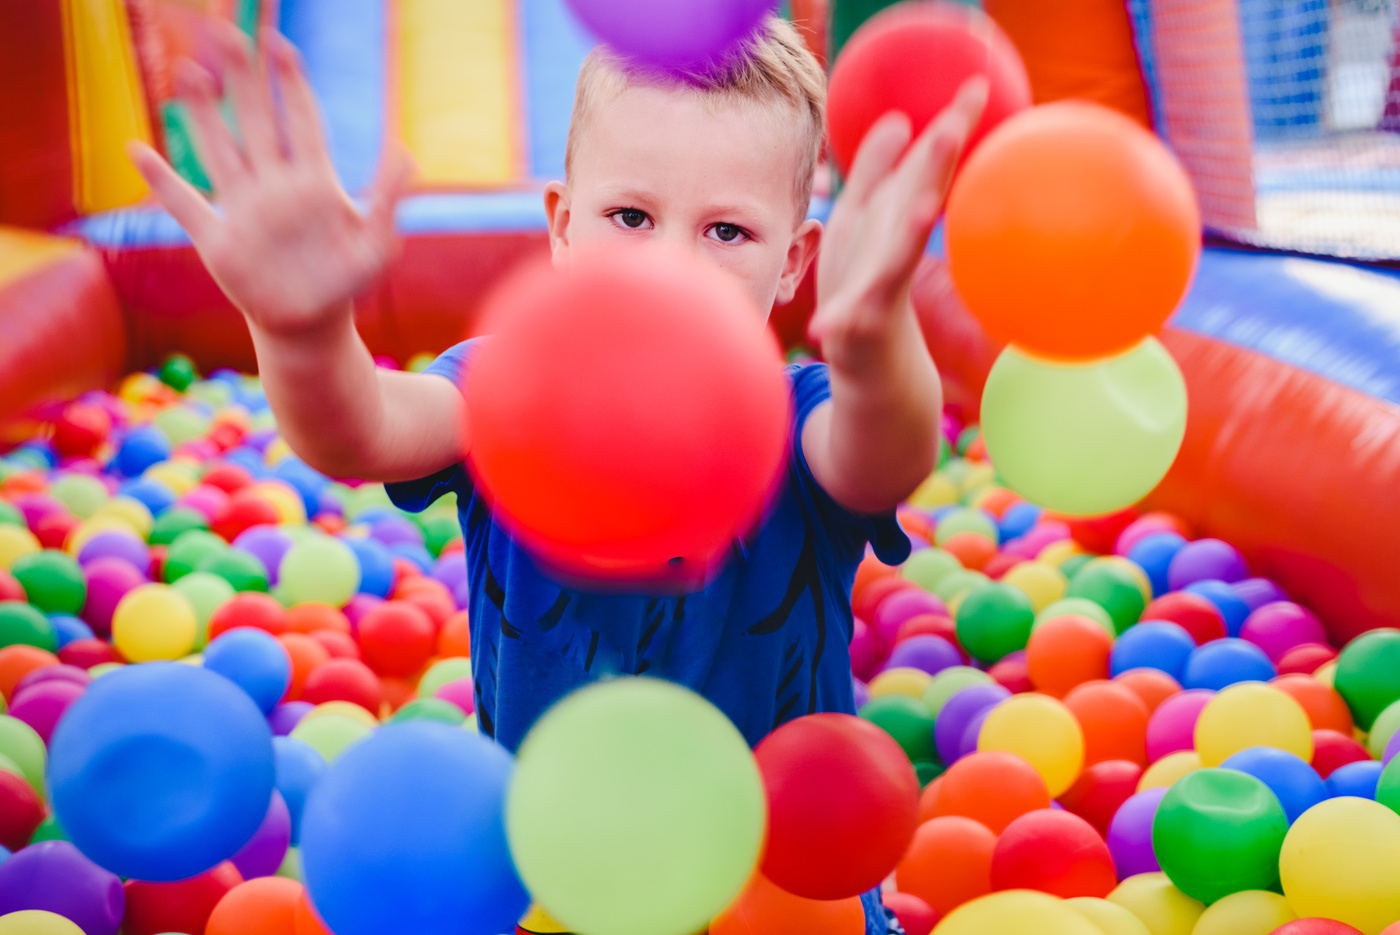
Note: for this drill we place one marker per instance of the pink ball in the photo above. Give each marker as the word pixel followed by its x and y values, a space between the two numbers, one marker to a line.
pixel 1278 627
pixel 205 499
pixel 41 705
pixel 459 692
pixel 357 607
pixel 1042 534
pixel 60 673
pixel 892 612
pixel 1140 529
pixel 108 580
pixel 865 650
pixel 1172 726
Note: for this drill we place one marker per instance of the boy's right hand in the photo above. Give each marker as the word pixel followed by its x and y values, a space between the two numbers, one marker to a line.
pixel 286 245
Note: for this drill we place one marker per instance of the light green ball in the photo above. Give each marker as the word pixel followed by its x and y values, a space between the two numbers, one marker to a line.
pixel 319 568
pixel 431 709
pixel 1079 607
pixel 81 494
pixel 928 567
pixel 25 748
pixel 959 582
pixel 442 672
pixel 966 519
pixel 1387 723
pixel 181 424
pixel 206 593
pixel 948 683
pixel 330 734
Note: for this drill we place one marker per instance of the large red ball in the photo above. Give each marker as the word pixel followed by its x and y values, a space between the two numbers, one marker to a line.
pixel 1100 790
pixel 1054 852
pixel 912 58
pixel 249 609
pixel 843 804
pixel 182 906
pixel 628 419
pixel 396 638
pixel 344 680
pixel 80 429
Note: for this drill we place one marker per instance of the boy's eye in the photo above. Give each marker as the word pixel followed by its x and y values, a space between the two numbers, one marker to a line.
pixel 728 233
pixel 631 218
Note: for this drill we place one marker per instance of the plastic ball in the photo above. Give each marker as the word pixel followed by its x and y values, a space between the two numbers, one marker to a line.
pixel 1217 832
pixel 108 581
pixel 961 712
pixel 241 570
pixel 948 683
pixel 52 581
pixel 616 775
pixel 931 654
pixel 1306 658
pixel 182 906
pixel 1251 715
pixel 143 447
pixel 21 811
pixel 266 905
pixel 1017 912
pixel 894 610
pixel 266 849
pixel 1172 726
pixel 1041 582
pixel 1231 606
pixel 1295 784
pixel 80 429
pixel 249 609
pixel 1191 612
pixel 1359 779
pixel 1156 644
pixel 1315 926
pixel 1054 852
pixel 344 680
pixel 42 705
pixel 994 620
pixel 1113 587
pixel 1067 651
pixel 152 622
pixel 376 565
pixel 1163 908
pixel 190 550
pixel 1165 772
pixel 15 541
pixel 1221 663
pixel 1249 912
pixel 37 922
pixel 254 661
pixel 1110 918
pixel 53 876
pixel 1130 834
pixel 991 787
pixel 396 639
pixel 906 720
pixel 1368 674
pixel 624 478
pixel 161 771
pixel 24 624
pixel 764 907
pixel 1113 720
pixel 927 567
pixel 1041 731
pixel 1153 554
pixel 1101 790
pixel 1332 750
pixel 915 916
pixel 299 768
pixel 1279 626
pixel 948 863
pixel 1206 560
pixel 320 569
pixel 842 805
pixel 1340 862
pixel 679 34
pixel 901 681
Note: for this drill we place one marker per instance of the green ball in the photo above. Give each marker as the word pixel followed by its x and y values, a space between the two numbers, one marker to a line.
pixel 430 709
pixel 52 581
pixel 319 568
pixel 25 748
pixel 1112 587
pixel 1385 726
pixel 636 808
pixel 959 582
pixel 995 620
pixel 239 569
pixel 206 593
pixel 216 393
pixel 966 437
pixel 178 372
pixel 1217 832
pixel 443 671
pixel 438 531
pixel 330 734
pixel 928 771
pixel 1077 607
pixel 22 623
pixel 945 451
pixel 928 567
pixel 181 424
pixel 966 519
pixel 188 552
pixel 1368 674
pixel 81 494
pixel 176 521
pixel 1388 788
pixel 1073 563
pixel 48 831
pixel 948 683
pixel 10 515
pixel 906 720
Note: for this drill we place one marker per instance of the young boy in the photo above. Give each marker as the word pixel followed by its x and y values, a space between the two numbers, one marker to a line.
pixel 719 164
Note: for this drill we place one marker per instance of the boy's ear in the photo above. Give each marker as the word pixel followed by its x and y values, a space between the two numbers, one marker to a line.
pixel 556 210
pixel 805 244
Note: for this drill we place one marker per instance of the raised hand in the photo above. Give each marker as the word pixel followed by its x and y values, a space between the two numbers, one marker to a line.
pixel 286 243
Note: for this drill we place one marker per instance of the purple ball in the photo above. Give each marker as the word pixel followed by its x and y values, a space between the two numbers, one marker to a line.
pixel 1256 592
pixel 972 732
pixel 265 850
pixel 392 530
pixel 287 715
pixel 1279 626
pixel 267 544
pixel 1206 560
pixel 1130 834
pixel 108 580
pixel 1392 747
pixel 451 570
pixel 114 543
pixel 958 712
pixel 676 35
pixel 901 606
pixel 61 673
pixel 861 692
pixel 41 705
pixel 459 692
pixel 55 877
pixel 927 652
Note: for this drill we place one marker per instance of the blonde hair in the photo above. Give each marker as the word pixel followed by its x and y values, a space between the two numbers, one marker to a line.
pixel 773 68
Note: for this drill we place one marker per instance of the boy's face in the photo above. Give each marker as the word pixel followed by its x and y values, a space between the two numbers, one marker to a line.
pixel 715 179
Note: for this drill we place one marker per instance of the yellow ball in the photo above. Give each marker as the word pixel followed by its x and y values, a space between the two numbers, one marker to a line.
pixel 934 492
pixel 1341 860
pixel 15 542
pixel 102 668
pixel 900 681
pixel 1166 771
pixel 1251 912
pixel 1040 581
pixel 1041 731
pixel 286 501
pixel 332 734
pixel 154 621
pixel 137 387
pixel 37 922
pixel 1016 912
pixel 1163 908
pixel 1252 714
pixel 1327 673
pixel 277 450
pixel 130 511
pixel 343 708
pixel 172 475
pixel 1056 552
pixel 980 475
pixel 1110 918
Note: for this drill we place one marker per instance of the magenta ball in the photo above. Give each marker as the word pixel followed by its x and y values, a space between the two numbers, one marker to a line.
pixel 114 543
pixel 108 580
pixel 897 608
pixel 55 877
pixel 1206 560
pixel 926 652
pixel 265 850
pixel 359 605
pixel 1279 626
pixel 460 693
pixel 677 35
pixel 58 673
pixel 865 650
pixel 205 500
pixel 1130 834
pixel 1140 529
pixel 1172 726
pixel 40 706
pixel 37 507
pixel 1042 534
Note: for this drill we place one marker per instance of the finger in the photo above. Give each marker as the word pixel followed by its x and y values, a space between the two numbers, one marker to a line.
pixel 213 141
pixel 303 123
pixel 184 202
pixel 390 183
pixel 878 153
pixel 251 97
pixel 931 161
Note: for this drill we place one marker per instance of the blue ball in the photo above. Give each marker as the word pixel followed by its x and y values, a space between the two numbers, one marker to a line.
pixel 254 661
pixel 70 628
pixel 1358 779
pixel 1296 784
pixel 1154 554
pixel 156 496
pixel 406 833
pixel 160 771
pixel 305 480
pixel 1153 644
pixel 143 446
pixel 249 459
pixel 299 768
pixel 1226 661
pixel 1018 520
pixel 1226 600
pixel 376 565
pixel 415 553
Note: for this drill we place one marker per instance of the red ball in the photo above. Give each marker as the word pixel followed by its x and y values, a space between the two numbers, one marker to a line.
pixel 244 510
pixel 88 653
pixel 1012 674
pixel 396 638
pixel 21 812
pixel 249 609
pixel 930 625
pixel 1305 659
pixel 913 58
pixel 339 645
pixel 344 680
pixel 917 916
pixel 665 439
pixel 1100 790
pixel 52 530
pixel 229 478
pixel 843 803
pixel 865 601
pixel 80 429
pixel 10 589
pixel 1191 612
pixel 1316 926
pixel 182 906
pixel 1332 750
pixel 1055 852
pixel 1097 534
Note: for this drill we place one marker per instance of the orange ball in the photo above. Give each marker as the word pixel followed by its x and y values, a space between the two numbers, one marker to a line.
pixel 1114 720
pixel 1326 709
pixel 17 661
pixel 1152 686
pixel 308 920
pixel 992 787
pixel 306 653
pixel 313 616
pixel 266 906
pixel 928 800
pixel 1067 651
pixel 948 863
pixel 764 909
pixel 871 569
pixel 972 549
pixel 1096 217
pixel 455 637
pixel 999 500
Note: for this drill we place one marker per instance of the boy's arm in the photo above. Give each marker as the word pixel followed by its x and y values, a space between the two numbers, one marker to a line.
pixel 291 251
pixel 877 438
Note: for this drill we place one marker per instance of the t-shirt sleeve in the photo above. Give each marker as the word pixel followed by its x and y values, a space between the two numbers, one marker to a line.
pixel 416 495
pixel 811 385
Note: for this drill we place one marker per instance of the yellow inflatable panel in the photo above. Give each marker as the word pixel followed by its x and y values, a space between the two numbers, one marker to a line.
pixel 23 251
pixel 457 90
pixel 106 104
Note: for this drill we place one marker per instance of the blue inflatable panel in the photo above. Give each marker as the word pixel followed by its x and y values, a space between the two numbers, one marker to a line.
pixel 476 213
pixel 554 46
pixel 343 43
pixel 1336 320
